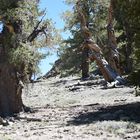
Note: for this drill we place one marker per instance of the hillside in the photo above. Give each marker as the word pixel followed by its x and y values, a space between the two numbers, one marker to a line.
pixel 67 108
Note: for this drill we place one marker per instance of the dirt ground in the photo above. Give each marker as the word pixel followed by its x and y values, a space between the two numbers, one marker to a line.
pixel 70 109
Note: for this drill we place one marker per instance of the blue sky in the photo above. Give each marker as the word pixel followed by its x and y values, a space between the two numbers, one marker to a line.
pixel 54 11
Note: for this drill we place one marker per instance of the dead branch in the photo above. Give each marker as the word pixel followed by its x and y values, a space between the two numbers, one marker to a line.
pixel 29 119
pixel 36 31
pixel 85 83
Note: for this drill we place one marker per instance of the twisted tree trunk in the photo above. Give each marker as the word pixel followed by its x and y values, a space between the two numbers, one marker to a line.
pixel 10 91
pixel 113 55
pixel 91 51
pixel 17 34
pixel 10 83
pixel 87 35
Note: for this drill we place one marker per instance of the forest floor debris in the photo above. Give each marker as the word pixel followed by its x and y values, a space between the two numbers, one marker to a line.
pixel 70 109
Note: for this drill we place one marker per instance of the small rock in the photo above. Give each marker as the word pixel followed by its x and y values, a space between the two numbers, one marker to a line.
pixel 11 123
pixel 3 122
pixel 66 130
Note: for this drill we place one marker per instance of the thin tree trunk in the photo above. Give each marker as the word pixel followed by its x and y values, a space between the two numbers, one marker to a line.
pixel 85 63
pixel 113 55
pixel 106 74
pixel 87 35
pixel 128 49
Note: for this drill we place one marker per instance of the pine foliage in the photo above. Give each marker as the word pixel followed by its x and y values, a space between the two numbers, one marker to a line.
pixel 96 16
pixel 128 21
pixel 25 31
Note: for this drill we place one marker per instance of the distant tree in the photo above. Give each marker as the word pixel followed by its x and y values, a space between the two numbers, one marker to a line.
pixel 23 34
pixel 112 55
pixel 127 16
pixel 95 12
pixel 124 26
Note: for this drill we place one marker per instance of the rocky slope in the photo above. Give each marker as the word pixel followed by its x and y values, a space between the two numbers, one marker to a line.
pixel 70 109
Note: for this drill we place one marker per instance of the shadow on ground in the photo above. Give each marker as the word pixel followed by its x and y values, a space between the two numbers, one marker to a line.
pixel 93 113
pixel 60 82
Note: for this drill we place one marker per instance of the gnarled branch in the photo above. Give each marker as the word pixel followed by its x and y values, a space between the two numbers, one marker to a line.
pixel 36 31
pixel 83 21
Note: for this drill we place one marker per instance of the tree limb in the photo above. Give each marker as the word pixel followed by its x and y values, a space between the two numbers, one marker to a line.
pixel 83 21
pixel 36 31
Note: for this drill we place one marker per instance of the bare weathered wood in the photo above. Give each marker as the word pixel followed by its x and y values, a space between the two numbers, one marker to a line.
pixel 36 30
pixel 29 119
pixel 113 55
pixel 89 46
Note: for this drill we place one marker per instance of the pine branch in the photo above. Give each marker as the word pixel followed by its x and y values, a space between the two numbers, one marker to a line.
pixel 36 31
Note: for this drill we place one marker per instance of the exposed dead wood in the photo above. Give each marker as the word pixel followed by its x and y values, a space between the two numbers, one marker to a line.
pixel 86 83
pixel 29 119
pixel 92 52
pixel 37 30
pixel 113 56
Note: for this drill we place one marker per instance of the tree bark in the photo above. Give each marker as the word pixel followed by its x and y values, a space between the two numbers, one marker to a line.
pixel 128 48
pixel 10 82
pixel 105 72
pixel 10 91
pixel 113 54
pixel 85 63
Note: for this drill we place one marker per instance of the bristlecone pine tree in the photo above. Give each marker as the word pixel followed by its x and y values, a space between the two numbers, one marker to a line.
pixel 95 12
pixel 20 39
pixel 128 23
